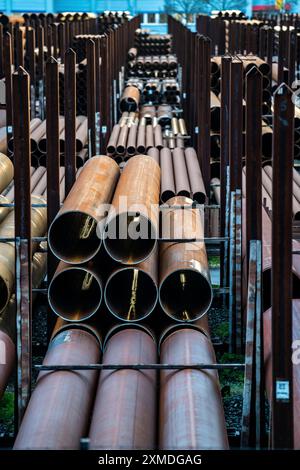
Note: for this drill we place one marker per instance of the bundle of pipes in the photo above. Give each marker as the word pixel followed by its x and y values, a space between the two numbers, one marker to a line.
pixel 75 237
pixel 267 175
pixel 181 175
pixel 171 91
pixel 133 136
pixel 7 228
pixel 152 91
pixel 81 85
pixel 160 66
pixel 38 138
pixel 136 417
pixel 185 291
pixel 149 44
pixel 69 396
pixel 199 421
pixel 248 62
pixel 8 321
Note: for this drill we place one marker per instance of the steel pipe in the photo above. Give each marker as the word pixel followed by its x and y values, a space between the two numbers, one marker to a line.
pixel 167 190
pixel 6 171
pixel 182 183
pixel 124 414
pixel 75 292
pixel 132 225
pixel 199 421
pixel 67 396
pixel 136 288
pixel 73 236
pixel 130 99
pixel 195 175
pixel 185 291
pixel 154 153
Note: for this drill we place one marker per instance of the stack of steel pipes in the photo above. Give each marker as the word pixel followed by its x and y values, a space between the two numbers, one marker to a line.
pixel 181 174
pixel 158 66
pixel 91 404
pixel 7 224
pixel 149 133
pixel 267 175
pixel 38 141
pixel 152 44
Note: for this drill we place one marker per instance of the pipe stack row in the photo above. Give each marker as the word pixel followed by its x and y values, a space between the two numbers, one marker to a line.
pixel 117 409
pixel 160 66
pixel 38 141
pixel 152 44
pixel 149 131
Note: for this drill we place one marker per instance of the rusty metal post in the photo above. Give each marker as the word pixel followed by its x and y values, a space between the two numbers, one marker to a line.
pixel 52 132
pixel 70 119
pixel 19 48
pixel 91 96
pixel 205 131
pixel 282 373
pixel 1 52
pixel 236 124
pixel 292 54
pixel 40 70
pixel 253 156
pixel 61 41
pixel 224 222
pixel 23 255
pixel 30 62
pixel 7 57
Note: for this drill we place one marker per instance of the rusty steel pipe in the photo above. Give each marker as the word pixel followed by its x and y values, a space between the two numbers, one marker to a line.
pixel 75 292
pixel 34 124
pixel 182 183
pixel 167 175
pixel 6 171
pixel 124 414
pixel 131 142
pixel 215 112
pixel 149 137
pixel 185 291
pixel 112 143
pixel 130 99
pixel 199 421
pixel 141 138
pixel 136 288
pixel 195 175
pixel 122 140
pixel 132 225
pixel 267 333
pixel 154 153
pixel 8 322
pixel 73 234
pixel 81 133
pixel 7 249
pixel 158 141
pixel 67 396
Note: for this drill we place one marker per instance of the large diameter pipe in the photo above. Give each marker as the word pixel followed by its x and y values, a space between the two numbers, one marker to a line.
pixel 198 422
pixel 73 236
pixel 67 396
pixel 75 292
pixel 267 318
pixel 185 291
pixel 124 414
pixel 6 171
pixel 130 99
pixel 8 356
pixel 195 175
pixel 7 249
pixel 136 288
pixel 132 226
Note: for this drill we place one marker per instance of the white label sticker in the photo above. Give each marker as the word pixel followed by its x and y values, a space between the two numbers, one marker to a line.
pixel 282 390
